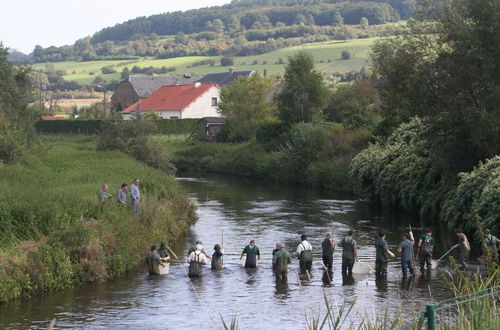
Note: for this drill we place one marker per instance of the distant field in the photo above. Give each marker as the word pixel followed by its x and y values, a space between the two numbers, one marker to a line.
pixel 326 54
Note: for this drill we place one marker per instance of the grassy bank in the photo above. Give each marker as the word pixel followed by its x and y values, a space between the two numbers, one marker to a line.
pixel 315 155
pixel 54 232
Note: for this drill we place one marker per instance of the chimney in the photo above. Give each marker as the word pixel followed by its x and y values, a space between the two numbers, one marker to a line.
pixel 197 84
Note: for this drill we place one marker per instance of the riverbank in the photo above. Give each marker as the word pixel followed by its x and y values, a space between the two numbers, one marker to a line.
pixel 315 155
pixel 55 234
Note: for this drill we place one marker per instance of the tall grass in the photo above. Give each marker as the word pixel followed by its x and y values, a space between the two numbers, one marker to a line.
pixel 55 234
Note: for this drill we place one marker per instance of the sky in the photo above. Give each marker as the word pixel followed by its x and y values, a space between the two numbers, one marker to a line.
pixel 26 23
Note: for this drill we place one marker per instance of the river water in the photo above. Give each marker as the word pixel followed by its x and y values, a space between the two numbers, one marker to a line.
pixel 241 210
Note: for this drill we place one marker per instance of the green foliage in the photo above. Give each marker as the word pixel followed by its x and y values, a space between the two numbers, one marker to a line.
pixel 477 194
pixel 345 55
pixel 55 234
pixel 399 173
pixel 272 134
pixel 304 92
pixel 132 137
pixel 353 106
pixel 246 116
pixel 448 71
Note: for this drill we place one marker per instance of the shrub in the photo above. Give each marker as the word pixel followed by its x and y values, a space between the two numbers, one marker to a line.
pixel 345 55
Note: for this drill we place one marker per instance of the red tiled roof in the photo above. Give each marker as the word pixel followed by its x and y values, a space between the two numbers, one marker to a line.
pixel 52 117
pixel 176 97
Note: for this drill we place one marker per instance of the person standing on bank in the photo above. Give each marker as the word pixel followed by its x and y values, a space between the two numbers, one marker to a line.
pixel 281 260
pixel 406 250
pixel 327 249
pixel 196 261
pixel 381 257
pixel 121 195
pixel 253 254
pixel 304 252
pixel 425 249
pixel 154 261
pixel 463 249
pixel 135 195
pixel 103 194
pixel 349 253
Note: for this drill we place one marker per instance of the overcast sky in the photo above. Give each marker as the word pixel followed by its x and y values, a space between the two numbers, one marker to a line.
pixel 26 23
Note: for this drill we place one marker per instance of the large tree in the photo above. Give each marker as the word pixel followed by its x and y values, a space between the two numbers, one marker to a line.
pixel 448 71
pixel 304 93
pixel 246 104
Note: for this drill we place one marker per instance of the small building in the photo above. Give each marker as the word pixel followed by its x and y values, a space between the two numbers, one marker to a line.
pixel 224 78
pixel 196 100
pixel 137 87
pixel 208 127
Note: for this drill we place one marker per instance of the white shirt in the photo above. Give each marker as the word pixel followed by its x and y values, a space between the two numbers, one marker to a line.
pixel 201 257
pixel 304 246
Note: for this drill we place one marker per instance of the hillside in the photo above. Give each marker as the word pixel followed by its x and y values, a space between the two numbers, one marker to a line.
pixel 327 56
pixel 241 28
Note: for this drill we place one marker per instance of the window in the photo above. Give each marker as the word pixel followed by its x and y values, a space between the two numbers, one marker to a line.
pixel 214 101
pixel 174 117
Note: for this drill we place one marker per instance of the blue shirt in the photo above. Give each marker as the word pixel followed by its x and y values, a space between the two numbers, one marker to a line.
pixel 121 195
pixel 134 192
pixel 406 247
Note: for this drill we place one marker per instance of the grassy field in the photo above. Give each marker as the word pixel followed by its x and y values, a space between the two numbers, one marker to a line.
pixel 55 234
pixel 326 54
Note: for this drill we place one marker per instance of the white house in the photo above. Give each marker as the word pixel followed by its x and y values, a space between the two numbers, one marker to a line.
pixel 196 100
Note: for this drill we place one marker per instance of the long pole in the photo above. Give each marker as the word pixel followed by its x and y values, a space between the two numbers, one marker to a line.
pixel 222 258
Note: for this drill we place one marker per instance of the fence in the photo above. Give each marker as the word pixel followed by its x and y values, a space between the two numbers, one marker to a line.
pixel 478 310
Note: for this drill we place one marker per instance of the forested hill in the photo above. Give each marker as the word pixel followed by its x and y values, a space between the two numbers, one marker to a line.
pixel 251 14
pixel 241 28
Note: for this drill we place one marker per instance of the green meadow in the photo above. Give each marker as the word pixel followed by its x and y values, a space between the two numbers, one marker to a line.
pixel 326 54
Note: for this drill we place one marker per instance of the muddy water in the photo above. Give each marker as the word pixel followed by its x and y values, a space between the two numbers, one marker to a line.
pixel 240 211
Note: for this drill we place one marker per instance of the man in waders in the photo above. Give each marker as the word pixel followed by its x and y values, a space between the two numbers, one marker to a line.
pixel 154 261
pixel 196 261
pixel 327 249
pixel 406 250
pixel 193 248
pixel 349 253
pixel 463 249
pixel 381 257
pixel 253 254
pixel 424 250
pixel 493 243
pixel 281 260
pixel 304 252
pixel 162 251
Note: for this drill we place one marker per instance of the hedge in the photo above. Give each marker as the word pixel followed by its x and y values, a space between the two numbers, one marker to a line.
pixel 90 127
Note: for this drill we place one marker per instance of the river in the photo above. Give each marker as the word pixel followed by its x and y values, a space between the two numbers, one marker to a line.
pixel 243 210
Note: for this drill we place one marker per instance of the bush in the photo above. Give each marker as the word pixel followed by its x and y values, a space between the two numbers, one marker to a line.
pixel 345 55
pixel 272 134
pixel 132 137
pixel 226 61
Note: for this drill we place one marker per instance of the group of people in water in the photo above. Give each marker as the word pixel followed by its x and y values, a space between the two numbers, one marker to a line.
pixel 197 256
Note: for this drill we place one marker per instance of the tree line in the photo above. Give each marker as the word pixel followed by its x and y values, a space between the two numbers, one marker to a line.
pixel 235 29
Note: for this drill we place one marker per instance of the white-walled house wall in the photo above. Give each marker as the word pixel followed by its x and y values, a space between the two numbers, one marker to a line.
pixel 202 106
pixel 199 108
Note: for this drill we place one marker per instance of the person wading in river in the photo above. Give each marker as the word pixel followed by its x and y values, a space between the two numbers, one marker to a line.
pixel 162 251
pixel 281 260
pixel 406 250
pixel 381 257
pixel 274 252
pixel 253 254
pixel 154 261
pixel 493 243
pixel 424 250
pixel 196 261
pixel 304 252
pixel 217 258
pixel 193 248
pixel 327 249
pixel 349 253
pixel 463 249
